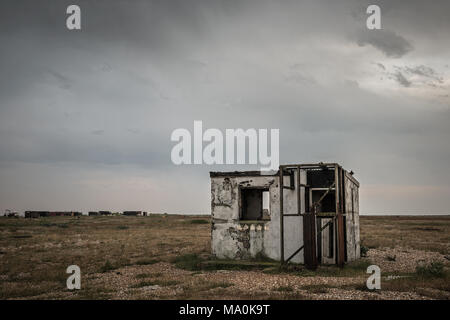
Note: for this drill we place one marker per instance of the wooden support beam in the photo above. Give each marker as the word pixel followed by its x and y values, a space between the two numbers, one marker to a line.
pixel 340 242
pixel 309 240
pixel 281 217
pixel 299 196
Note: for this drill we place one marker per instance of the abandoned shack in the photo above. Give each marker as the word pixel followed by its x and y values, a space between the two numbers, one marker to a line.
pixel 312 217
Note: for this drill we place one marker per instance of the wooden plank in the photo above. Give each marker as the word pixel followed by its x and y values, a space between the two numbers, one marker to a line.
pixel 340 226
pixel 341 241
pixel 299 199
pixel 293 255
pixel 319 239
pixel 309 240
pixel 281 182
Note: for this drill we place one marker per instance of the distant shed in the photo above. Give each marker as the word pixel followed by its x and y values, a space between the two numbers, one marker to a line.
pixel 132 213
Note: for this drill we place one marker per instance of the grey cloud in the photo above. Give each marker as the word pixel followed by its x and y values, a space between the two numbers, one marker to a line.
pixel 401 79
pixel 297 74
pixel 388 42
pixel 423 75
pixel 381 66
pixel 97 132
pixel 426 72
pixel 62 81
pixel 133 131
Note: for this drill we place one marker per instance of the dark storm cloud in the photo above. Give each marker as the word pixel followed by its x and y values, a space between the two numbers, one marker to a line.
pixel 388 42
pixel 401 79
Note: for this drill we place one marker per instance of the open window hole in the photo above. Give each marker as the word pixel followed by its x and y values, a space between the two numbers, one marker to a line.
pixel 255 204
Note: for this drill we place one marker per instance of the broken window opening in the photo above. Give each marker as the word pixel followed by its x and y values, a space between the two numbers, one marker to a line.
pixel 255 204
pixel 328 203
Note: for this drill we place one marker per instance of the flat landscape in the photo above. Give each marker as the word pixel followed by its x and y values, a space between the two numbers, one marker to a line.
pixel 168 257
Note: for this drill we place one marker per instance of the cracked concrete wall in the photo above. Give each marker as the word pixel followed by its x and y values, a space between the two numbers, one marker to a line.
pixel 236 239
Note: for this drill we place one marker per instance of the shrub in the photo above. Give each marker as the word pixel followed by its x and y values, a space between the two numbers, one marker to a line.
pixel 162 283
pixel 107 267
pixel 48 224
pixel 363 251
pixel 199 221
pixel 261 257
pixel 144 262
pixel 189 261
pixel 433 270
pixel 214 285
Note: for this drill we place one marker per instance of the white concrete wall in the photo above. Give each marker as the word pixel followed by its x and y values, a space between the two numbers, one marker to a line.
pixel 235 239
pixel 293 226
pixel 352 219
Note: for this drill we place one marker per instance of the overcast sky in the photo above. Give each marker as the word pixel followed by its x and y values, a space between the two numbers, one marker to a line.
pixel 86 116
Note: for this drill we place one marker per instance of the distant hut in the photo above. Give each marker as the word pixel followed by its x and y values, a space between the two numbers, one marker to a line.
pixel 36 214
pixel 132 213
pixel 11 214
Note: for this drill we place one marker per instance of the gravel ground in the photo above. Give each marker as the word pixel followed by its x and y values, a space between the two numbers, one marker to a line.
pixel 249 283
pixel 406 260
pixel 122 282
pixel 34 255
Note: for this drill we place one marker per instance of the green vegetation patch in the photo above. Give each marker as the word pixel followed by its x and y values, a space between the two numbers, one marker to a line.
pixel 433 270
pixel 162 283
pixel 199 221
pixel 144 262
pixel 194 262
